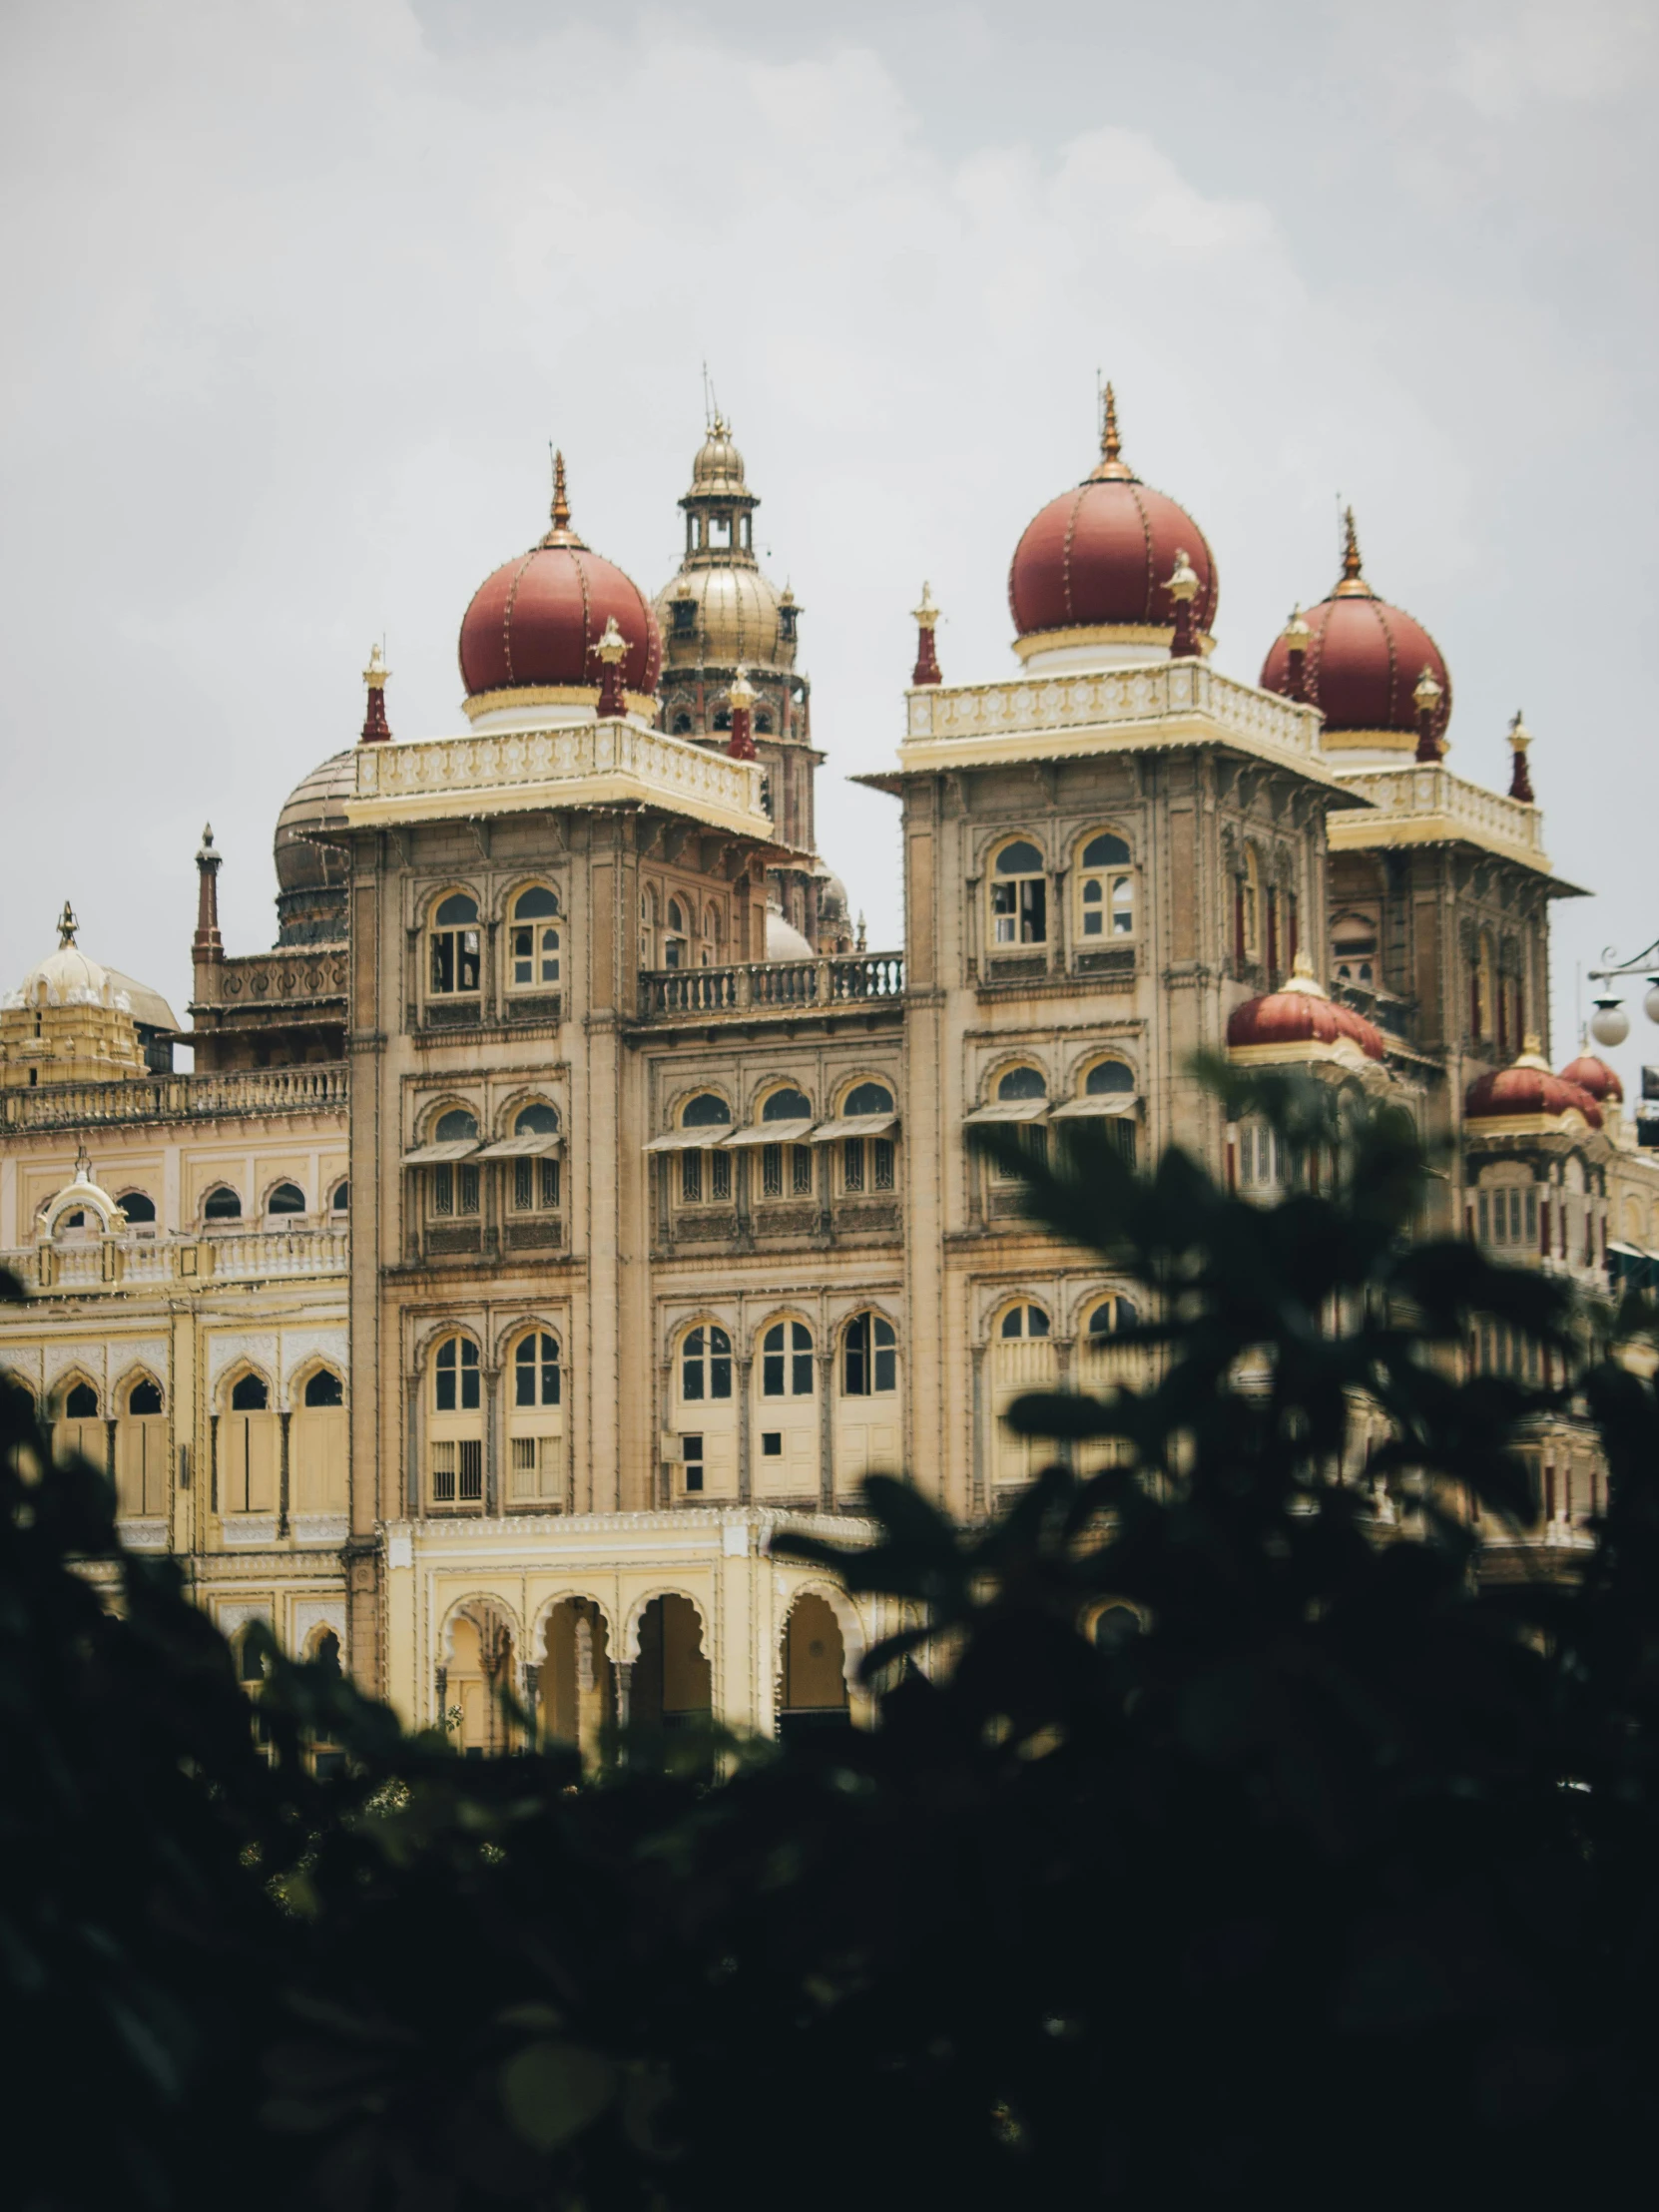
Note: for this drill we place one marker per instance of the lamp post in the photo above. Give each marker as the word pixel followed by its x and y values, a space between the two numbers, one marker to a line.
pixel 1611 1024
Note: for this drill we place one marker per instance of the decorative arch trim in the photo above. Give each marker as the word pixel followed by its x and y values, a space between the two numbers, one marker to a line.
pixel 636 1614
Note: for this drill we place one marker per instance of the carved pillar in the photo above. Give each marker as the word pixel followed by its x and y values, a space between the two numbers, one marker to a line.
pixel 746 1426
pixel 827 1424
pixel 285 1421
pixel 492 1433
pixel 977 1493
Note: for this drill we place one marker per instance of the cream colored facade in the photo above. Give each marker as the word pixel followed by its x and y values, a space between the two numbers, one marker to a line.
pixel 657 1242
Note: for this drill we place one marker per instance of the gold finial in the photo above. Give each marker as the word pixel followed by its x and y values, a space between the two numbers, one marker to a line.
pixel 1296 631
pixel 1427 694
pixel 927 616
pixel 83 1164
pixel 613 646
pixel 1520 737
pixel 1112 466
pixel 742 691
pixel 561 505
pixel 375 676
pixel 1351 583
pixel 67 927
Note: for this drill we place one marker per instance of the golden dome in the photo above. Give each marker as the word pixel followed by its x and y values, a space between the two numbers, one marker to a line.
pixel 717 472
pixel 737 619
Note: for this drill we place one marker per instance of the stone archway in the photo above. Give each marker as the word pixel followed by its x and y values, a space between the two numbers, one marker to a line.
pixel 812 1692
pixel 576 1686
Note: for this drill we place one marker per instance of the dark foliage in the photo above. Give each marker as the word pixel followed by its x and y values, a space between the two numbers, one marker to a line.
pixel 1326 1873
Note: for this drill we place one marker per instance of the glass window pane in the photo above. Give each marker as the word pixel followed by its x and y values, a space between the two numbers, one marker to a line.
pixel 1019 859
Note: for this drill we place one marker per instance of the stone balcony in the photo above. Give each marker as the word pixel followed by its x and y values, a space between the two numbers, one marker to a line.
pixel 592 764
pixel 782 990
pixel 1420 803
pixel 319 1088
pixel 1152 703
pixel 85 1265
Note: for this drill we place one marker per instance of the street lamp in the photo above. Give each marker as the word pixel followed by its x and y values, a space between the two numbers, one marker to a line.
pixel 1611 1024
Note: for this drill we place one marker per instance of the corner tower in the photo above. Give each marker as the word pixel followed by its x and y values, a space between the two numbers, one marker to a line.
pixel 721 614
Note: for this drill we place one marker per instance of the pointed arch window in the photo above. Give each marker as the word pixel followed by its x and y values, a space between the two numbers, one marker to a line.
pixel 869 1356
pixel 1105 891
pixel 1018 896
pixel 455 947
pixel 535 944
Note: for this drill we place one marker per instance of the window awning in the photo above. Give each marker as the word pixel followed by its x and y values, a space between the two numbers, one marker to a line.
pixel 854 1125
pixel 516 1148
pixel 1010 1109
pixel 702 1139
pixel 1094 1108
pixel 768 1132
pixel 428 1155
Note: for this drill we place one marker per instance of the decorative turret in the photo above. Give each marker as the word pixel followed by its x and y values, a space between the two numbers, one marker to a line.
pixel 72 1021
pixel 377 730
pixel 926 670
pixel 1426 697
pixel 206 948
pixel 612 651
pixel 1183 587
pixel 1521 780
pixel 1293 638
pixel 1091 576
pixel 743 696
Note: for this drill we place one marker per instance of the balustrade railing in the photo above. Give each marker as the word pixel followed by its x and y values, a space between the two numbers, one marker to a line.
pixel 82 1264
pixel 770 986
pixel 314 1089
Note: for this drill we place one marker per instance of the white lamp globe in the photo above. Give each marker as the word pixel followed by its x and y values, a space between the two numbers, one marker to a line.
pixel 1650 1004
pixel 1611 1024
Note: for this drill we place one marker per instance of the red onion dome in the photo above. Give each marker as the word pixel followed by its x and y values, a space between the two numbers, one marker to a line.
pixel 1527 1092
pixel 1364 660
pixel 1100 557
pixel 1592 1074
pixel 1299 1021
pixel 535 624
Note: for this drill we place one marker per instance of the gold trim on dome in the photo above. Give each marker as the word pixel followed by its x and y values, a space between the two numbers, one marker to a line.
pixel 643 704
pixel 1105 633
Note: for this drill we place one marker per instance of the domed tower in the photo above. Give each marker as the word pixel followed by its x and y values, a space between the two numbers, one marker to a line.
pixel 721 612
pixel 1089 583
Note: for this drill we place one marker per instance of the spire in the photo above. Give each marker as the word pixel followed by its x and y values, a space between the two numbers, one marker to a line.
pixel 1113 467
pixel 926 670
pixel 67 927
pixel 1351 583
pixel 1521 780
pixel 560 532
pixel 207 945
pixel 377 730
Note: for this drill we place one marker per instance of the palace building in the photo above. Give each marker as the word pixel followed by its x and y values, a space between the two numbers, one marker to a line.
pixel 569 1197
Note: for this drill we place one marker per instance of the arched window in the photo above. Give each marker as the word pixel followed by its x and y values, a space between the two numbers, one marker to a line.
pixel 458 1442
pixel 705 1364
pixel 1023 1321
pixel 141 1453
pixel 1021 1086
pixel 287 1198
pixel 1112 1315
pixel 763 724
pixel 786 1166
pixel 537 1171
pixel 1105 889
pixel 711 937
pixel 868 1161
pixel 1021 1083
pixel 1248 907
pixel 137 1205
pixel 1109 1079
pixel 535 1422
pixel 536 1370
pixel 78 1432
pixel 456 1185
pixel 676 939
pixel 318 1446
pixel 455 1378
pixel 786 1361
pixel 223 1204
pixel 455 940
pixel 869 1356
pixel 1020 895
pixel 1354 946
pixel 339 1198
pixel 648 928
pixel 1483 980
pixel 1260 1167
pixel 249 1445
pixel 707 1110
pixel 534 946
pixel 1507 1212
pixel 682 721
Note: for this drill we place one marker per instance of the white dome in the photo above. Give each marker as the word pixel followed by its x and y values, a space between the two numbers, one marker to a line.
pixel 784 939
pixel 66 977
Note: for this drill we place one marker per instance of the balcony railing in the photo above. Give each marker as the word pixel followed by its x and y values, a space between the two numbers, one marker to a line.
pixel 770 986
pixel 82 1264
pixel 255 1092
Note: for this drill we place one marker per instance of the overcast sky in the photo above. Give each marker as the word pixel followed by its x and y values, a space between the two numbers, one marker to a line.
pixel 297 295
